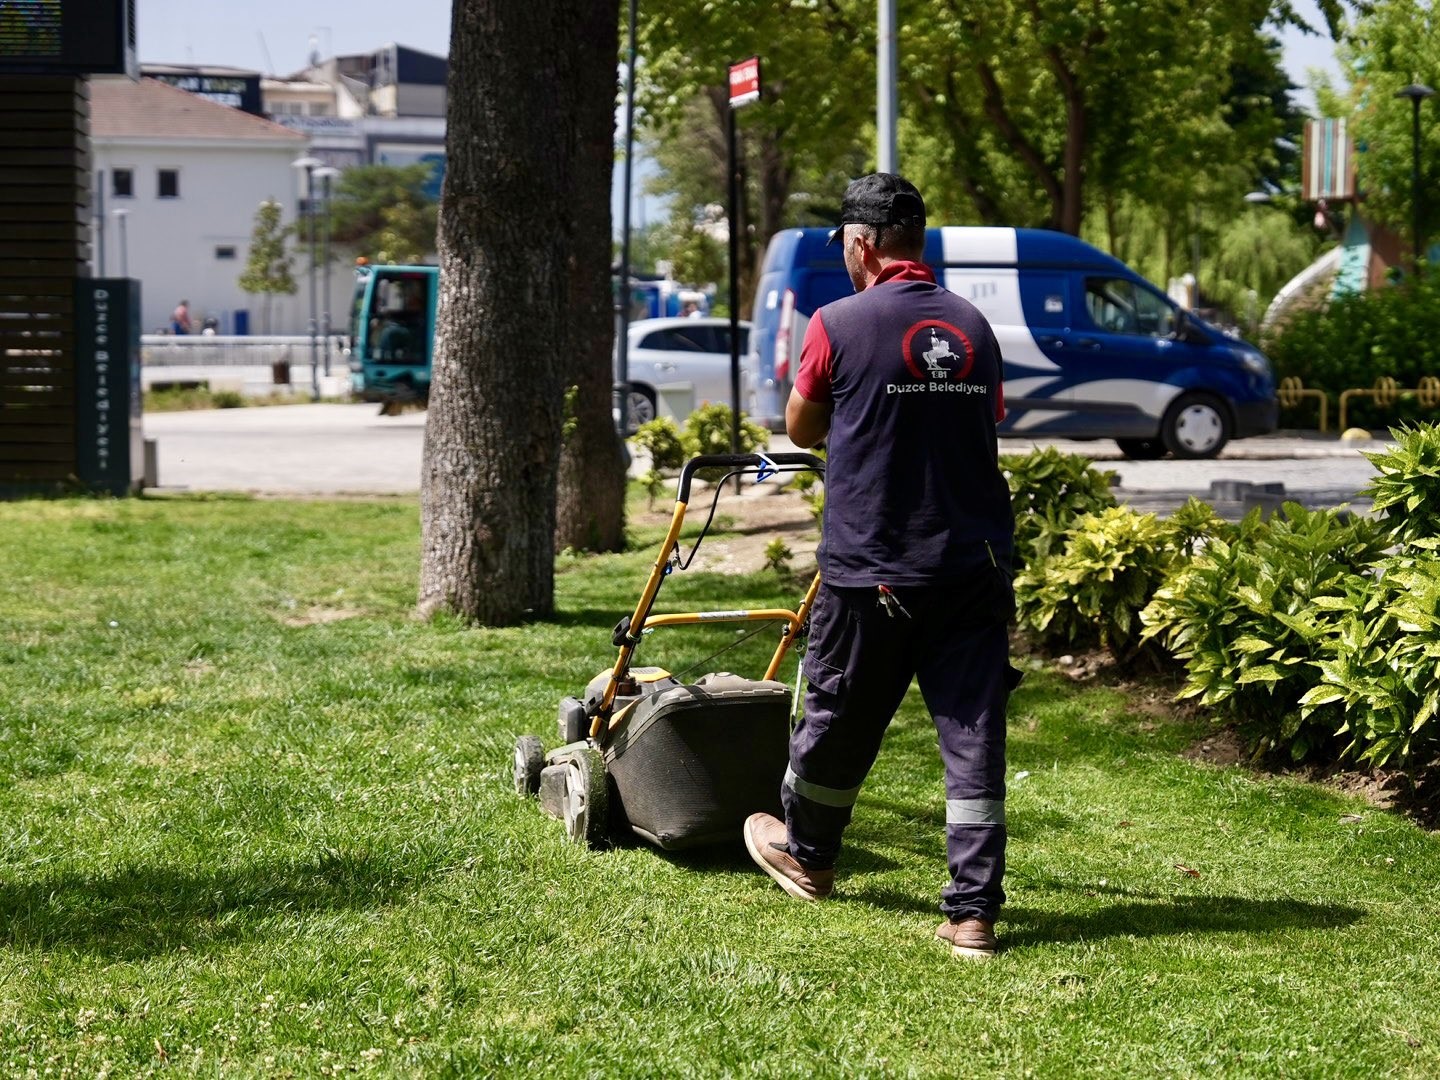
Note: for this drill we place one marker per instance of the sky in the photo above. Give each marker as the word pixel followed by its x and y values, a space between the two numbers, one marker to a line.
pixel 277 36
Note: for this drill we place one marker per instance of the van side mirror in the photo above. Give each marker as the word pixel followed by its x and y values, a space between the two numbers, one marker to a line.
pixel 1186 330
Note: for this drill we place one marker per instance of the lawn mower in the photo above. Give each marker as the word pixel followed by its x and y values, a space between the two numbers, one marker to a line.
pixel 680 764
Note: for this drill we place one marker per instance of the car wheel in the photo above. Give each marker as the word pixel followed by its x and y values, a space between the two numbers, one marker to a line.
pixel 1141 449
pixel 1196 426
pixel 641 405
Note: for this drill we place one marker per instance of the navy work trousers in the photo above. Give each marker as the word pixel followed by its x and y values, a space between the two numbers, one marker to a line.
pixel 858 667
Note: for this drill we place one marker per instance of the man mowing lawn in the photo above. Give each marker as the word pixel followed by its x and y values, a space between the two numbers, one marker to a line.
pixel 903 379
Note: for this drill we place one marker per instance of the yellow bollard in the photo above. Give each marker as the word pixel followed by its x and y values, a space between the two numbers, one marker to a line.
pixel 1292 391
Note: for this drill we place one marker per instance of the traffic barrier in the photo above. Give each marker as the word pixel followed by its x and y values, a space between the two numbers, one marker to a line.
pixel 1386 392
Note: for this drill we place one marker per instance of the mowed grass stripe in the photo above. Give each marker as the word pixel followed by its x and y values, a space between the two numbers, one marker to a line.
pixel 262 825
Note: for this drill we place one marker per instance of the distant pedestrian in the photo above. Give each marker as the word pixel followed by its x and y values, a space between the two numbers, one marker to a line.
pixel 180 318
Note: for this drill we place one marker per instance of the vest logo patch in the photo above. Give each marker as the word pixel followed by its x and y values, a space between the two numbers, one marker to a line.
pixel 929 349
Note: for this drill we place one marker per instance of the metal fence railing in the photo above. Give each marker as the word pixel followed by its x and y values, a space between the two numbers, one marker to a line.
pixel 217 350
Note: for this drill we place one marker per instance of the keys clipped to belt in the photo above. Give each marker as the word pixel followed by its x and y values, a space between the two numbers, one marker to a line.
pixel 892 606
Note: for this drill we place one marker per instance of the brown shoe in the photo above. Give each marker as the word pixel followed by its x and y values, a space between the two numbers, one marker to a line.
pixel 974 939
pixel 765 839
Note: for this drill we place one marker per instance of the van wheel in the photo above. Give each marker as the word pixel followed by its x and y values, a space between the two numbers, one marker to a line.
pixel 1196 426
pixel 641 406
pixel 1141 449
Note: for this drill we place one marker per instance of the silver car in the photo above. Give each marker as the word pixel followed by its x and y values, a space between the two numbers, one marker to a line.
pixel 677 365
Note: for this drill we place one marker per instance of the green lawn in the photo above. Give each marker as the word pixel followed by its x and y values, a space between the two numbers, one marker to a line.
pixel 258 821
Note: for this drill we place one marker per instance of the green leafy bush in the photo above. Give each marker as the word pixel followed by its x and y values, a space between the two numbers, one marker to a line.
pixel 1048 491
pixel 1406 488
pixel 812 489
pixel 778 556
pixel 661 439
pixel 1251 615
pixel 1383 663
pixel 1092 591
pixel 708 431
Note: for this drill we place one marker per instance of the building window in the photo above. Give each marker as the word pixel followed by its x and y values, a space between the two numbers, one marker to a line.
pixel 169 184
pixel 122 183
pixel 227 252
pixel 319 108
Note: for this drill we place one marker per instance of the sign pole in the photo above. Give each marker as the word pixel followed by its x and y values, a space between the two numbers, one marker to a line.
pixel 744 88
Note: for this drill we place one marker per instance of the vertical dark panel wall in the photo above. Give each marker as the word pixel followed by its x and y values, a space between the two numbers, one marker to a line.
pixel 44 249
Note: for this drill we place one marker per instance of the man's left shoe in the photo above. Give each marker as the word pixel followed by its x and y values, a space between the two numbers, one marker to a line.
pixel 970 939
pixel 767 840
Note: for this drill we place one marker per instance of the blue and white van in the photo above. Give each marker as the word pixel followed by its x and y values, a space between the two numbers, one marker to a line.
pixel 1092 350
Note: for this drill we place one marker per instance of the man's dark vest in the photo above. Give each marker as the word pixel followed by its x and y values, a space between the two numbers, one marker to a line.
pixel 913 490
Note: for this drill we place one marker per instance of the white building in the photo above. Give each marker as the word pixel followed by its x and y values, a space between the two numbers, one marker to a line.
pixel 179 179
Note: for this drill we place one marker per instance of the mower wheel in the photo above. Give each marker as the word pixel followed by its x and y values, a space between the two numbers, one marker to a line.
pixel 587 814
pixel 529 760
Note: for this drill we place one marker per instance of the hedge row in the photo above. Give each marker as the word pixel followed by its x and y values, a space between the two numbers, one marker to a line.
pixel 1357 338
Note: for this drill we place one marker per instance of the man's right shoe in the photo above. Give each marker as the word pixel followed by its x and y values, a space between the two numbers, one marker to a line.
pixel 972 939
pixel 767 841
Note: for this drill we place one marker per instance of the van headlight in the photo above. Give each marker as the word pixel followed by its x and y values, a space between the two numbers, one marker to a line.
pixel 1255 363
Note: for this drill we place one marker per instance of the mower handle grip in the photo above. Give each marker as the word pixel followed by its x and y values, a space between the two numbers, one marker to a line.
pixel 788 462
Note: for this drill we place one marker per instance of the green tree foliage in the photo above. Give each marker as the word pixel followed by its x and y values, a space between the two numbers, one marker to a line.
pixel 382 211
pixel 268 265
pixel 1396 43
pixel 1142 123
pixel 1037 100
pixel 796 145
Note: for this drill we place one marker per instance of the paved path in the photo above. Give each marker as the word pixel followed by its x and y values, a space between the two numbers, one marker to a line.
pixel 352 449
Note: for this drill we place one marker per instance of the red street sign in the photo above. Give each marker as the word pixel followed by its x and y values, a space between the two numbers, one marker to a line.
pixel 745 82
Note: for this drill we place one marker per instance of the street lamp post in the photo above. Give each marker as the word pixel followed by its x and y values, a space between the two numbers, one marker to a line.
pixel 325 175
pixel 309 165
pixel 1416 92
pixel 120 216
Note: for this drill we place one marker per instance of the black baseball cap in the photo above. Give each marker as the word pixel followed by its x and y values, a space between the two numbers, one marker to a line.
pixel 880 199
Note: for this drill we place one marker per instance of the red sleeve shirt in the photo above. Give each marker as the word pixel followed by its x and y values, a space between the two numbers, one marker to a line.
pixel 813 381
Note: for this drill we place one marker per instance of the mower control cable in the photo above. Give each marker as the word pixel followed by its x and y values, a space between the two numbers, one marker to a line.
pixel 704 529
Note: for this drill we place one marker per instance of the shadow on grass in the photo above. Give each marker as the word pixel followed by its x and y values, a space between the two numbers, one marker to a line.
pixel 1173 915
pixel 139 912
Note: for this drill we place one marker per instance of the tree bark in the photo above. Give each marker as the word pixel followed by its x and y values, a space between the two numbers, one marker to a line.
pixel 508 225
pixel 590 490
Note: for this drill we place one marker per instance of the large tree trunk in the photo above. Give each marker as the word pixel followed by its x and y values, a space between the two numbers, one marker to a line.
pixel 508 222
pixel 590 494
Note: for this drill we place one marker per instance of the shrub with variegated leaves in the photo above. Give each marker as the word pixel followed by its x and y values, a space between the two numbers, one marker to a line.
pixel 1382 663
pixel 1253 614
pixel 1049 491
pixel 1406 487
pixel 1091 590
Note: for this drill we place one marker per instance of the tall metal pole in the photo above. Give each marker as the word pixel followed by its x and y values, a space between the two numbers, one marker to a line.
pixel 734 230
pixel 886 158
pixel 1416 92
pixel 325 175
pixel 314 342
pixel 622 333
pixel 120 216
pixel 1415 227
